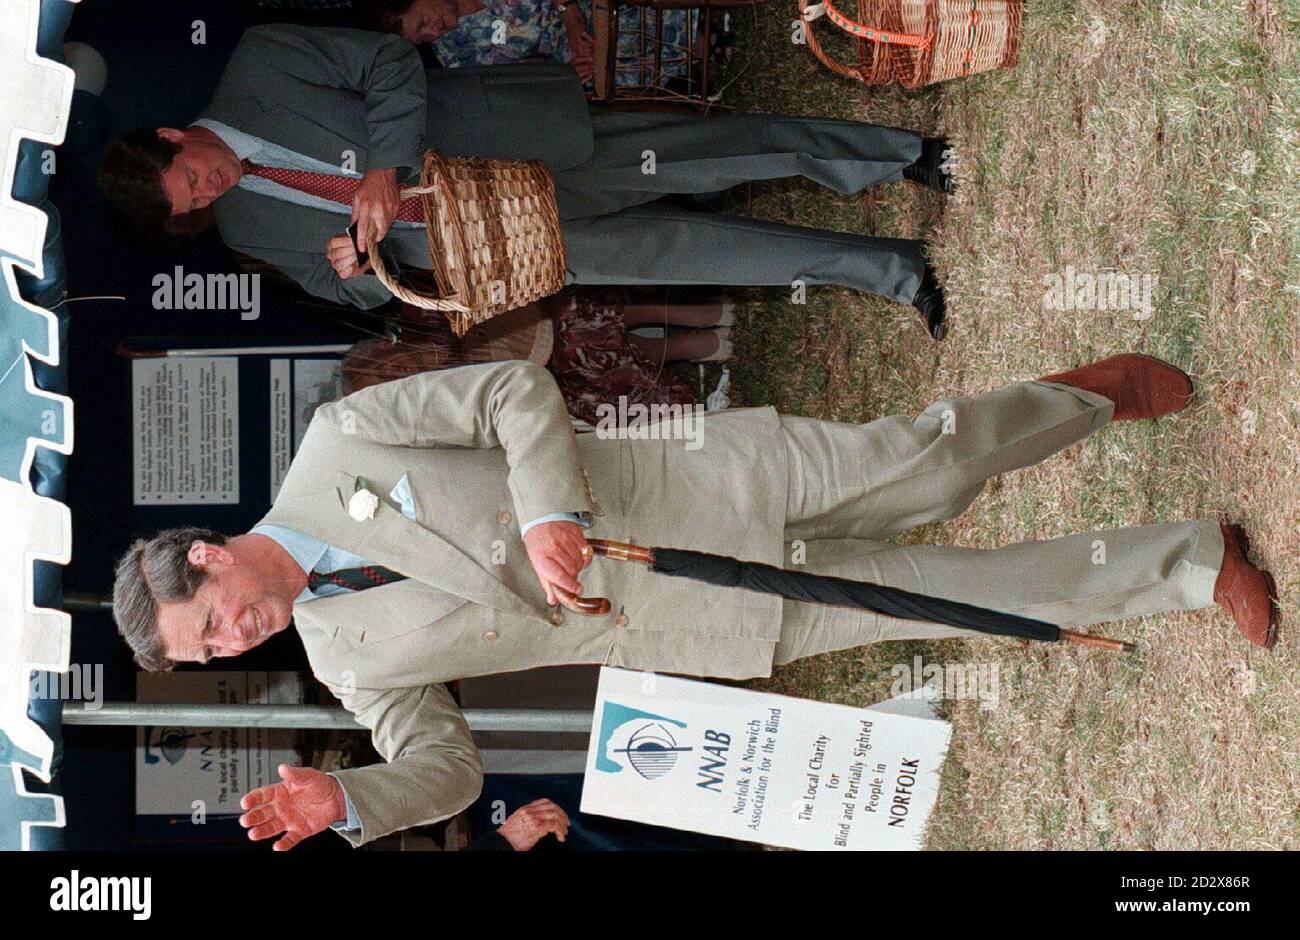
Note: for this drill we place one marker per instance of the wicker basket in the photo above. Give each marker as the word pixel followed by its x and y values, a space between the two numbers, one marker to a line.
pixel 919 42
pixel 494 238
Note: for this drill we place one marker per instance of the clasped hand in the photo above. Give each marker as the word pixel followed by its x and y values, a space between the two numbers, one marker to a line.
pixel 555 550
pixel 374 207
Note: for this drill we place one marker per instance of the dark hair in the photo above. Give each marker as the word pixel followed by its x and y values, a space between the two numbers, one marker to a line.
pixel 131 177
pixel 152 572
pixel 382 16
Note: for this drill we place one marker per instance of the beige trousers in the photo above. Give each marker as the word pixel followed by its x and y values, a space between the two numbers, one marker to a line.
pixel 853 486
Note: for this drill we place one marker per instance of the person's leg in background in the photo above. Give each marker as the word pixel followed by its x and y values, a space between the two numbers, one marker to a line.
pixel 694 315
pixel 640 156
pixel 691 332
pixel 658 244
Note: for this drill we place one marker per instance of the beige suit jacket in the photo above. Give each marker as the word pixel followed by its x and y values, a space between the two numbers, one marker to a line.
pixel 487 448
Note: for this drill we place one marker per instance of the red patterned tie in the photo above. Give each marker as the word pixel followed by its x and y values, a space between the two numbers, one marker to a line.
pixel 354 579
pixel 340 189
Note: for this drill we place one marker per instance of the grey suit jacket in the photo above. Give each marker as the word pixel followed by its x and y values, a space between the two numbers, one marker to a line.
pixel 340 94
pixel 484 448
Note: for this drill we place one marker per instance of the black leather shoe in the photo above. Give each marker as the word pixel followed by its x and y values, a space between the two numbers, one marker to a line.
pixel 928 169
pixel 929 300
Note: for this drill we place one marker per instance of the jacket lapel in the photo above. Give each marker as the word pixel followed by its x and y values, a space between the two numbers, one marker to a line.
pixel 392 540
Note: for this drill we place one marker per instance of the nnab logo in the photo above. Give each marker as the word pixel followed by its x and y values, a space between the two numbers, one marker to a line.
pixel 641 739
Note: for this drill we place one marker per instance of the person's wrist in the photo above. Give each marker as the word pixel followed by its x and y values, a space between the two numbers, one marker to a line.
pixel 506 832
pixel 340 802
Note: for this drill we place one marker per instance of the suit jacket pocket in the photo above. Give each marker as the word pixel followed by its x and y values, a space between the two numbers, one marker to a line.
pixel 610 472
pixel 383 613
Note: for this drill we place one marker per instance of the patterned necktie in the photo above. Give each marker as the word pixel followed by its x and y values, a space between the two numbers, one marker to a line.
pixel 354 579
pixel 340 189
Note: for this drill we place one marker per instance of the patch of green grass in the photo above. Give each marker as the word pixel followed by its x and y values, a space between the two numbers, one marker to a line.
pixel 1161 137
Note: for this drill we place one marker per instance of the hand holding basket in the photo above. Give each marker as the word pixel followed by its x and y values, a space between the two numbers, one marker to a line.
pixel 494 238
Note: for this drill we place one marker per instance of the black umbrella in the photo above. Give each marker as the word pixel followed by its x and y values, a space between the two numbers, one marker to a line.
pixel 826 589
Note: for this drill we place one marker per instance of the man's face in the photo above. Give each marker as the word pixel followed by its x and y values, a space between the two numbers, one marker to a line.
pixel 428 20
pixel 203 170
pixel 235 610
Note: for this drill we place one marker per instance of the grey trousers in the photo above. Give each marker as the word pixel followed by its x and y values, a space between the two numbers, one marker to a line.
pixel 853 486
pixel 614 234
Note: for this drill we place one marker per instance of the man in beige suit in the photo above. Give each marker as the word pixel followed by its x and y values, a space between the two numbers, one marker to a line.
pixel 428 526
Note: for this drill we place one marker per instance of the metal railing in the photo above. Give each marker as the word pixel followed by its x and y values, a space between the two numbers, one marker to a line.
pixel 541 720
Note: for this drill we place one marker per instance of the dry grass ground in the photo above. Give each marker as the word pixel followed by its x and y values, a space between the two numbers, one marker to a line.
pixel 1153 137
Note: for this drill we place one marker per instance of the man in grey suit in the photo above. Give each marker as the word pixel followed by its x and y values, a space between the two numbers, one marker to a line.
pixel 428 526
pixel 359 106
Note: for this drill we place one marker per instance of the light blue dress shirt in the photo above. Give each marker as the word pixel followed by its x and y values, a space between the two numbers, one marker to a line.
pixel 311 554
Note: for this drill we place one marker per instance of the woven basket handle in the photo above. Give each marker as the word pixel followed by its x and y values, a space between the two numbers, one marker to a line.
pixel 811 11
pixel 861 30
pixel 414 298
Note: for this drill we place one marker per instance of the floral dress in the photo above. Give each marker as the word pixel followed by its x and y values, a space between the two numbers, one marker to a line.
pixel 506 31
pixel 594 363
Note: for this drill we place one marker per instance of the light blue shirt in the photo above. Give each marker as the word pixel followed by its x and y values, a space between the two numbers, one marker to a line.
pixel 265 153
pixel 311 554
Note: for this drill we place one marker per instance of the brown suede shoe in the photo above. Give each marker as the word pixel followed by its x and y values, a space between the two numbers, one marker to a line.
pixel 1245 591
pixel 1140 386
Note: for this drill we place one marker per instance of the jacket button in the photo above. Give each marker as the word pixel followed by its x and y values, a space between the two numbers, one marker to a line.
pixel 503 517
pixel 620 620
pixel 490 635
pixel 557 617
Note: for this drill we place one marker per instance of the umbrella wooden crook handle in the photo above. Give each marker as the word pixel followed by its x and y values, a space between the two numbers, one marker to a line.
pixel 582 605
pixel 1100 642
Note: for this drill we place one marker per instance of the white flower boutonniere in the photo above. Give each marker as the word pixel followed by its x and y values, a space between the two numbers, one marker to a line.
pixel 363 503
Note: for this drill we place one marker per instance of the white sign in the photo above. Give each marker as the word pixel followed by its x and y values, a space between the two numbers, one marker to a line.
pixel 315 382
pixel 293 403
pixel 281 424
pixel 185 414
pixel 176 766
pixel 760 767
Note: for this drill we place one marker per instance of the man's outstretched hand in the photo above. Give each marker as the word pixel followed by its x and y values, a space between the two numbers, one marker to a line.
pixel 306 803
pixel 555 550
pixel 526 826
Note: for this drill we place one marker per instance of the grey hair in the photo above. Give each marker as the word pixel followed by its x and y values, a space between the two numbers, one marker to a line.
pixel 156 571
